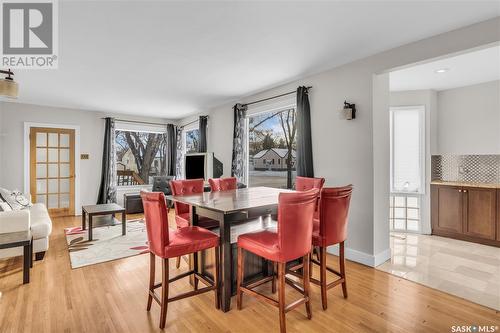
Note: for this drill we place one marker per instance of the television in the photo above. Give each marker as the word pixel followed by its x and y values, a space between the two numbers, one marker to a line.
pixel 202 165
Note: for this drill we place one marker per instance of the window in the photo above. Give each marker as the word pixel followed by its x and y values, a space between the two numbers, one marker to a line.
pixel 272 135
pixel 139 156
pixel 407 149
pixel 192 140
pixel 404 213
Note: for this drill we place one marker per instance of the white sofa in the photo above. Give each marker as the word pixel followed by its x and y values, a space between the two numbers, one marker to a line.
pixel 35 218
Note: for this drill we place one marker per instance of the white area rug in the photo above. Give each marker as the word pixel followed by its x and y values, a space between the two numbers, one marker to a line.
pixel 107 244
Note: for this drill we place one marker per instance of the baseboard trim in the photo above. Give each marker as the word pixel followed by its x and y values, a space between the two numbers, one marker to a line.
pixel 362 257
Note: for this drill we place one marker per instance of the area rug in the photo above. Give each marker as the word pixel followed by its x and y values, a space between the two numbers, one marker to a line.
pixel 107 244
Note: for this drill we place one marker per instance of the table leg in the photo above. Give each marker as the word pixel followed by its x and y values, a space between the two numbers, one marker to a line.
pixel 226 271
pixel 83 220
pixel 124 223
pixel 193 220
pixel 31 254
pixel 90 227
pixel 27 263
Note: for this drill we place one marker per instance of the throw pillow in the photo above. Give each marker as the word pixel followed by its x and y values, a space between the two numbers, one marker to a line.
pixel 15 199
pixel 4 207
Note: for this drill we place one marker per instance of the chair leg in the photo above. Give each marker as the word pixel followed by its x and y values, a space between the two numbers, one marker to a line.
pixel 239 277
pixel 311 265
pixel 152 261
pixel 322 252
pixel 195 267
pixel 281 296
pixel 164 293
pixel 216 277
pixel 273 282
pixel 178 262
pixel 342 268
pixel 307 285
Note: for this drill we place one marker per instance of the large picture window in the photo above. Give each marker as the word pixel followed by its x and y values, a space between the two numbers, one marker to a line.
pixel 139 157
pixel 271 148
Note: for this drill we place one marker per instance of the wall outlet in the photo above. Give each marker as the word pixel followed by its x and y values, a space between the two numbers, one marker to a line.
pixel 84 156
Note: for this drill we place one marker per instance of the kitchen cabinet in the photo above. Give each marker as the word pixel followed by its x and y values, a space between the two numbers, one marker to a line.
pixel 466 212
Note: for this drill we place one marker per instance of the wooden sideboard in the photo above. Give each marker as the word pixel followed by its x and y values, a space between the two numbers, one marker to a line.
pixel 468 212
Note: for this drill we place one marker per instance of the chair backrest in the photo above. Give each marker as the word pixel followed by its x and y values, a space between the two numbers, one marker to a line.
pixel 223 184
pixel 162 184
pixel 184 187
pixel 306 183
pixel 333 215
pixel 155 214
pixel 295 223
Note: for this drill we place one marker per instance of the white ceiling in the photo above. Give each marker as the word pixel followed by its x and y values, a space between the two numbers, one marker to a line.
pixel 171 59
pixel 462 70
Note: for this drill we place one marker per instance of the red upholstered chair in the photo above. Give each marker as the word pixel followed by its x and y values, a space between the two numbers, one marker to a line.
pixel 167 244
pixel 306 183
pixel 291 241
pixel 183 211
pixel 223 184
pixel 331 229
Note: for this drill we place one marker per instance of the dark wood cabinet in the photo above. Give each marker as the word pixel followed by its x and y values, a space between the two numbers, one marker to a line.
pixel 467 213
pixel 480 210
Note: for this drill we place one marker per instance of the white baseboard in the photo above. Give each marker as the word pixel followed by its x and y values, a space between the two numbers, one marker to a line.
pixel 362 257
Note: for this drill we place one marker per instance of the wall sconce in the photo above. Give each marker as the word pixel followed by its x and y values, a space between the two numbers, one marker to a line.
pixel 8 88
pixel 348 112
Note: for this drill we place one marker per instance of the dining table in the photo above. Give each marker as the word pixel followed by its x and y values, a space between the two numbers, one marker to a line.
pixel 237 211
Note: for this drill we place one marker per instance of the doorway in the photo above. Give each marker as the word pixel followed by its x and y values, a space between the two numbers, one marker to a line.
pixel 52 169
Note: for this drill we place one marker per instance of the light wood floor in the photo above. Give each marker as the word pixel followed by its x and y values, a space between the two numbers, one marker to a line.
pixel 111 297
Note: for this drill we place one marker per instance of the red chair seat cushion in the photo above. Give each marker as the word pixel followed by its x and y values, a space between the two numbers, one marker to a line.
pixel 263 244
pixel 182 221
pixel 188 240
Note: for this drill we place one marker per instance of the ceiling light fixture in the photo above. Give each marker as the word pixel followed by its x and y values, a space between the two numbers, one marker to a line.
pixel 441 70
pixel 8 88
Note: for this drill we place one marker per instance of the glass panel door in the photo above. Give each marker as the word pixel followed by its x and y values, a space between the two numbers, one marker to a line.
pixel 52 169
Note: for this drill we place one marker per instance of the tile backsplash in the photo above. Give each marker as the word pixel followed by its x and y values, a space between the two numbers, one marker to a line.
pixel 466 168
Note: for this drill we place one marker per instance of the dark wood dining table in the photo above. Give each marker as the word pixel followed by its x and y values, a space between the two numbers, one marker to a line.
pixel 228 208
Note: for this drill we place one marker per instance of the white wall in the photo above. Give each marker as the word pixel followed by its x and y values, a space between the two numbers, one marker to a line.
pixel 469 119
pixel 91 141
pixel 427 98
pixel 344 150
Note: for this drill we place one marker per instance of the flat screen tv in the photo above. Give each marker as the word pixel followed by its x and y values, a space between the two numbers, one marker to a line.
pixel 202 165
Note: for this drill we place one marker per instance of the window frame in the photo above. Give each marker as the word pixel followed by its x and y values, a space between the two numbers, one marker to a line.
pixel 422 139
pixel 276 105
pixel 136 127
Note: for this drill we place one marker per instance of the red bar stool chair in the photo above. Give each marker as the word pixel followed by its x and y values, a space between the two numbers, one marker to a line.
pixel 331 229
pixel 222 184
pixel 183 211
pixel 167 244
pixel 291 241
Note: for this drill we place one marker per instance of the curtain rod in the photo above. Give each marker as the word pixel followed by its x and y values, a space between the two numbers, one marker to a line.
pixel 192 122
pixel 273 97
pixel 136 121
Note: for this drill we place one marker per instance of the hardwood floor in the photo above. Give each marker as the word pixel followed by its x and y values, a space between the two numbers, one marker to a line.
pixel 111 297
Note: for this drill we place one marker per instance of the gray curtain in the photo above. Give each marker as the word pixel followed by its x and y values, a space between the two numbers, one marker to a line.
pixel 171 150
pixel 305 166
pixel 203 134
pixel 238 167
pixel 107 189
pixel 179 154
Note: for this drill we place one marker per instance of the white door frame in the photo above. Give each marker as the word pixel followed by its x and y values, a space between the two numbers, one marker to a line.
pixel 27 127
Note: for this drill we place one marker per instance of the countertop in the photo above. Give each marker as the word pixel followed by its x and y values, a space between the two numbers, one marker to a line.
pixel 465 184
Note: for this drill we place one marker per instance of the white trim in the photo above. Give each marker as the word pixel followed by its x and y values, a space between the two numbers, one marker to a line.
pixel 138 127
pixel 26 164
pixel 274 105
pixel 362 257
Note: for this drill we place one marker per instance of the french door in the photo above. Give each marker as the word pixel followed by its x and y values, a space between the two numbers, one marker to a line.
pixel 52 169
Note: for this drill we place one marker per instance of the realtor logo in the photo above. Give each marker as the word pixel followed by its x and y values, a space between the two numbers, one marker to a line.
pixel 29 34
